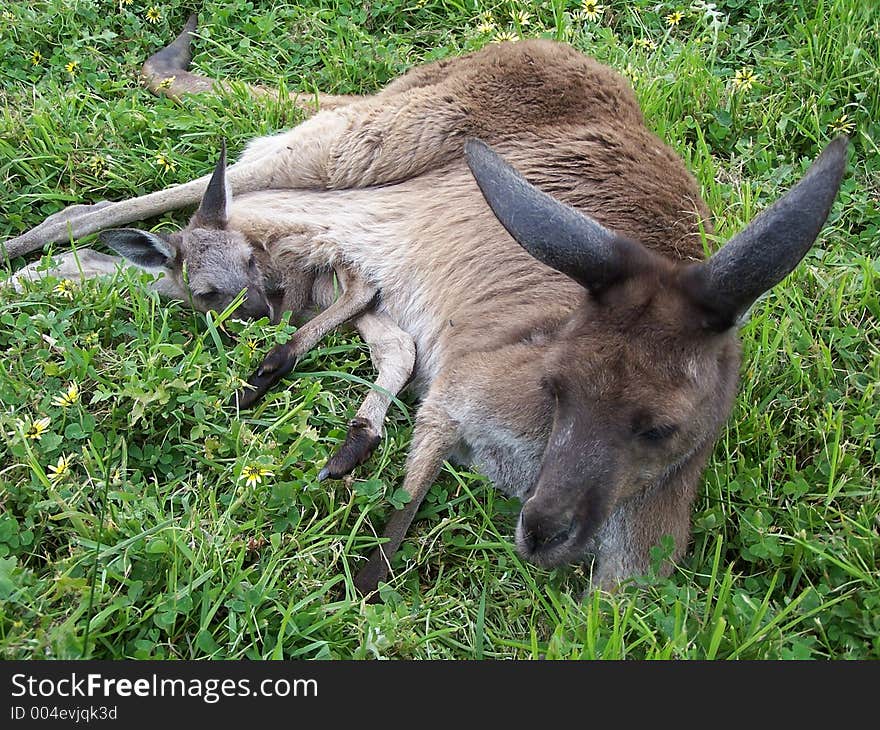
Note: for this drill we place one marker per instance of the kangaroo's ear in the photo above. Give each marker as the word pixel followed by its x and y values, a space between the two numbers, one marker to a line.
pixel 214 209
pixel 149 250
pixel 554 233
pixel 770 247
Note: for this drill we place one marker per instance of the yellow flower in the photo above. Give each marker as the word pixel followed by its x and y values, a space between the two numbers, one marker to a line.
pixel 253 474
pixel 505 36
pixel 71 66
pixel 61 469
pixel 36 57
pixel 592 10
pixel 486 25
pixel 166 82
pixel 645 43
pixel 69 398
pixel 91 338
pixel 165 162
pixel 631 73
pixel 64 288
pixel 744 79
pixel 843 124
pixel 153 14
pixel 98 165
pixel 252 346
pixel 521 17
pixel 37 428
pixel 125 3
pixel 674 19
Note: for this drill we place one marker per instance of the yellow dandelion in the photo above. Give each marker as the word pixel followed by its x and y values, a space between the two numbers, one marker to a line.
pixel 165 162
pixel 154 15
pixel 91 338
pixel 60 470
pixel 253 474
pixel 125 3
pixel 251 345
pixel 592 10
pixel 744 79
pixel 70 67
pixel 646 43
pixel 486 25
pixel 166 82
pixel 97 164
pixel 37 428
pixel 843 124
pixel 631 73
pixel 64 288
pixel 36 57
pixel 674 18
pixel 521 17
pixel 69 398
pixel 505 36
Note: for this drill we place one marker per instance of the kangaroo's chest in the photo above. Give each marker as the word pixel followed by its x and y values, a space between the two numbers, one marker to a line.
pixel 504 421
pixel 510 461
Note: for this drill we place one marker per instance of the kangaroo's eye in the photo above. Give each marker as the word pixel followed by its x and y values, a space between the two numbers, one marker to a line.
pixel 209 294
pixel 659 433
pixel 252 262
pixel 549 385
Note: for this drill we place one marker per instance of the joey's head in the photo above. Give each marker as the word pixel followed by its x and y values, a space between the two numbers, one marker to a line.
pixel 643 374
pixel 207 263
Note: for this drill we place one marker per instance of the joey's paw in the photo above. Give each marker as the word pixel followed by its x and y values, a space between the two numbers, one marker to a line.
pixel 277 364
pixel 360 442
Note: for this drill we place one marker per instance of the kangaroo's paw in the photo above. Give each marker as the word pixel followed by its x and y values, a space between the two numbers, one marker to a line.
pixel 368 578
pixel 74 211
pixel 360 443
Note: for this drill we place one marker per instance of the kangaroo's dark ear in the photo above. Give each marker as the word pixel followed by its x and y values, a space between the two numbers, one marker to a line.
pixel 770 247
pixel 551 231
pixel 150 250
pixel 214 209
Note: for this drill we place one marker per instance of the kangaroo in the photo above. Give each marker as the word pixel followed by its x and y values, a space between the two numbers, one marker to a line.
pixel 512 213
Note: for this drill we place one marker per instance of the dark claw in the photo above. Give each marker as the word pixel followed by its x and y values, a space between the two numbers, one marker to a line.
pixel 360 442
pixel 368 578
pixel 277 364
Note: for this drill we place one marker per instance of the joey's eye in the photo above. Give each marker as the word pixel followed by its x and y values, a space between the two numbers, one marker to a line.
pixel 658 433
pixel 252 262
pixel 209 294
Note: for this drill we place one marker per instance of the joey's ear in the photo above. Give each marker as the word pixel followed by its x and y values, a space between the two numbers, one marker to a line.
pixel 214 209
pixel 149 250
pixel 551 231
pixel 769 247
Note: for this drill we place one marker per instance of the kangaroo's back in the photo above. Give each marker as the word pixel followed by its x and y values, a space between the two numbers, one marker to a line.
pixel 448 271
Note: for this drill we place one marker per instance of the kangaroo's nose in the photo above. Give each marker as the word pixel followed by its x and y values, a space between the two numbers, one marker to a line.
pixel 541 531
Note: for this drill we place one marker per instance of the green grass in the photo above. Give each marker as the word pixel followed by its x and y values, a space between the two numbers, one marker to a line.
pixel 154 545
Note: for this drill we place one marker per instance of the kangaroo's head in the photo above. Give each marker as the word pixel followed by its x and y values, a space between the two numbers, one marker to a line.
pixel 643 374
pixel 206 263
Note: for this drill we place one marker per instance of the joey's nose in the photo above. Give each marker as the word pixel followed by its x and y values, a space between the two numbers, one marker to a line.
pixel 256 305
pixel 540 531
